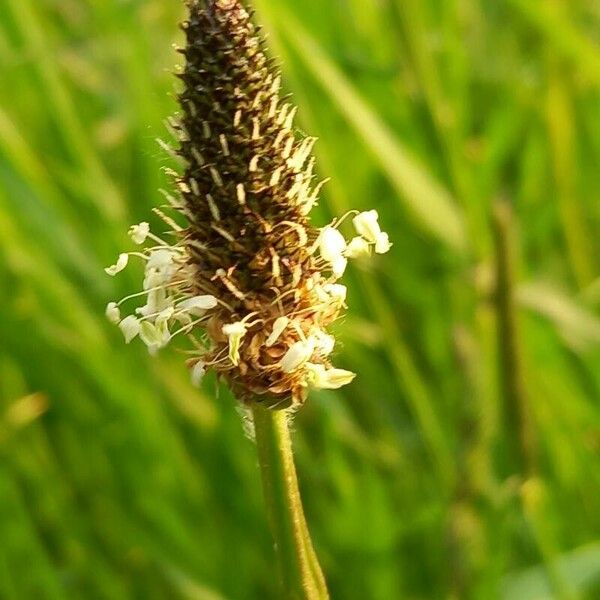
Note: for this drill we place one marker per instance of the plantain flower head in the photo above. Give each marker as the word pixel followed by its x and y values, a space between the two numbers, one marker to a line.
pixel 243 272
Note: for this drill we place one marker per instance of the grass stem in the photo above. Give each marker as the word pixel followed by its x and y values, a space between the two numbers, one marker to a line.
pixel 301 575
pixel 516 402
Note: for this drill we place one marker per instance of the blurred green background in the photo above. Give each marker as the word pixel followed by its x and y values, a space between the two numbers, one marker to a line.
pixel 464 462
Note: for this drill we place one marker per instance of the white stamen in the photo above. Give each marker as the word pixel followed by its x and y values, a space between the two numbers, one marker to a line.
pixel 113 314
pixel 337 291
pixel 358 247
pixel 139 233
pixel 130 326
pixel 297 355
pixel 154 336
pixel 338 266
pixel 159 259
pixel 235 332
pixel 278 328
pixel 331 244
pixel 324 342
pixel 198 305
pixel 382 243
pixel 366 224
pixel 198 372
pixel 328 379
pixel 118 266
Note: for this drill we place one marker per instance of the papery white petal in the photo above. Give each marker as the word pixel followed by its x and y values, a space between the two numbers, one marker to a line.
pixel 358 247
pixel 130 327
pixel 198 372
pixel 113 314
pixel 297 355
pixel 366 224
pixel 139 233
pixel 331 244
pixel 118 266
pixel 278 328
pixel 382 243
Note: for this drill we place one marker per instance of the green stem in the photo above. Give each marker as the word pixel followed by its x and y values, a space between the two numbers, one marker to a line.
pixel 300 572
pixel 517 407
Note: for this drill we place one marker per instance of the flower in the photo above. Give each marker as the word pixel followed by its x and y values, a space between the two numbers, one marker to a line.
pixel 279 327
pixel 338 266
pixel 336 291
pixel 113 314
pixel 155 336
pixel 242 272
pixel 139 233
pixel 324 342
pixel 331 244
pixel 358 247
pixel 329 379
pixel 198 372
pixel 158 300
pixel 197 305
pixel 235 332
pixel 297 355
pixel 366 225
pixel 382 243
pixel 160 260
pixel 118 266
pixel 130 326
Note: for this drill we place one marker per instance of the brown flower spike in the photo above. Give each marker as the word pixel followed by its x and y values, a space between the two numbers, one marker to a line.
pixel 248 269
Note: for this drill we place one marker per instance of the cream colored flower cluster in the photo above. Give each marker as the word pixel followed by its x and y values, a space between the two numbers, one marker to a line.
pixel 170 309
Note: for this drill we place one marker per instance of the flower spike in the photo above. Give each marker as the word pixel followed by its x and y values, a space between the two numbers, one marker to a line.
pixel 247 274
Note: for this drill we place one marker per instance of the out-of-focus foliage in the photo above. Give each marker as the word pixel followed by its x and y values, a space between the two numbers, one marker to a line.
pixel 464 461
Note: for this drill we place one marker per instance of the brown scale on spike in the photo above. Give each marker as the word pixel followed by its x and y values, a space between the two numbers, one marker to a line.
pixel 248 184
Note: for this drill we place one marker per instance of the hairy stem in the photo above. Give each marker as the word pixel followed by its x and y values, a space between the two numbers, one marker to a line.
pixel 300 572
